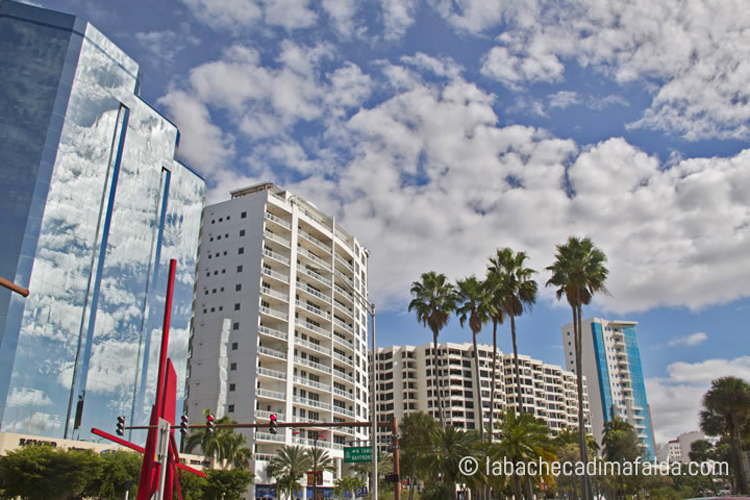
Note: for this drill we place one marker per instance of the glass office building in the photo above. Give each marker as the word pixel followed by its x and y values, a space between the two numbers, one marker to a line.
pixel 94 206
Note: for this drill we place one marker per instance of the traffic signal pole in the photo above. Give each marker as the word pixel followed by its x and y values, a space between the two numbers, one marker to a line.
pixel 396 460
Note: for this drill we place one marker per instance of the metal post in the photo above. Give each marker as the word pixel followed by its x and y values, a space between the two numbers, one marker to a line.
pixel 396 460
pixel 374 416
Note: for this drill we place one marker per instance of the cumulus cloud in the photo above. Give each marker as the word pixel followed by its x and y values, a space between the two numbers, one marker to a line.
pixel 163 46
pixel 238 14
pixel 689 340
pixel 695 70
pixel 676 399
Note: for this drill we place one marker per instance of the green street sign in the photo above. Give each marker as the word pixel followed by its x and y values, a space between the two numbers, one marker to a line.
pixel 358 454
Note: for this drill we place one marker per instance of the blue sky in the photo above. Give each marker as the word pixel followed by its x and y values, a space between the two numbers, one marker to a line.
pixel 438 131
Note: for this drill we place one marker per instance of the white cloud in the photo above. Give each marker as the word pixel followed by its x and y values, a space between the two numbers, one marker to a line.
pixel 38 423
pixel 239 14
pixel 676 400
pixel 689 340
pixel 28 397
pixel 398 16
pixel 163 46
pixel 696 70
pixel 564 99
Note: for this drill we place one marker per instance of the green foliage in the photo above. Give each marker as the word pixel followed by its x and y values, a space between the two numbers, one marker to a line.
pixel 224 444
pixel 289 466
pixel 117 468
pixel 345 486
pixel 192 486
pixel 46 473
pixel 227 484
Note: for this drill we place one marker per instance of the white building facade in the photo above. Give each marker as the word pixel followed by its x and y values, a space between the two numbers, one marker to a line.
pixel 405 385
pixel 280 326
pixel 612 365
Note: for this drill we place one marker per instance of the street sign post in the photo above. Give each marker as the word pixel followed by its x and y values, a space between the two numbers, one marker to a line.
pixel 358 454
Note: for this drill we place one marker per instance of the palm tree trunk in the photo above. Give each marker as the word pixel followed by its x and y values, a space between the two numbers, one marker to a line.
pixel 436 387
pixel 517 487
pixel 478 388
pixel 494 377
pixel 519 397
pixel 737 452
pixel 412 476
pixel 578 334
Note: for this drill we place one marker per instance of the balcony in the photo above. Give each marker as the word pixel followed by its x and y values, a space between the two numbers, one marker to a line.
pixel 343 325
pixel 314 309
pixel 343 411
pixel 315 241
pixel 271 352
pixel 307 289
pixel 278 220
pixel 277 256
pixel 312 364
pixel 267 414
pixel 312 403
pixel 343 376
pixel 343 358
pixel 343 308
pixel 310 345
pixel 344 277
pixel 263 457
pixel 314 258
pixel 343 341
pixel 271 373
pixel 276 275
pixel 317 276
pixel 267 436
pixel 274 313
pixel 313 328
pixel 278 239
pixel 341 393
pixel 311 383
pixel 343 262
pixel 267 290
pixel 264 330
pixel 265 393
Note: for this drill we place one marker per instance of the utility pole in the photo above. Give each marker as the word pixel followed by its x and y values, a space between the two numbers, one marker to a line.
pixel 396 460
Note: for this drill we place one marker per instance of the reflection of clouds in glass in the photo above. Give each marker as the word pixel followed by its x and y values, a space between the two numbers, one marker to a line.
pixel 35 423
pixel 26 397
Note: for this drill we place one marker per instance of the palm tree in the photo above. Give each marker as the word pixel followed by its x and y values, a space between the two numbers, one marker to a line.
pixel 434 301
pixel 344 484
pixel 579 273
pixel 449 446
pixel 525 438
pixel 517 293
pixel 415 444
pixel 497 315
pixel 232 450
pixel 320 462
pixel 364 469
pixel 209 442
pixel 474 305
pixel 727 408
pixel 289 465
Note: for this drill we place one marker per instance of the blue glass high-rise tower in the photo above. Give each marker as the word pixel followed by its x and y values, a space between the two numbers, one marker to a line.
pixel 611 363
pixel 94 206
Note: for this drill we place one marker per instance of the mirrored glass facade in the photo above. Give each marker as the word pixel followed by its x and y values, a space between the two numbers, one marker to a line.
pixel 94 206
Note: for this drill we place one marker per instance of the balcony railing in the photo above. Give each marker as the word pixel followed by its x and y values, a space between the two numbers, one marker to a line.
pixel 315 241
pixel 263 457
pixel 344 394
pixel 278 239
pixel 343 411
pixel 343 376
pixel 317 276
pixel 310 345
pixel 341 307
pixel 312 364
pixel 276 255
pixel 273 312
pixel 273 293
pixel 267 436
pixel 312 402
pixel 278 220
pixel 265 393
pixel 271 352
pixel 312 327
pixel 273 333
pixel 311 383
pixel 341 260
pixel 343 325
pixel 343 292
pixel 314 258
pixel 314 309
pixel 267 414
pixel 271 373
pixel 343 358
pixel 343 341
pixel 311 291
pixel 275 274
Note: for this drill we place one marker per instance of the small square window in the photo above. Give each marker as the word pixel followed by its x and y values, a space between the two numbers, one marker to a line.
pixel 242 232
pixel 232 387
pixel 213 309
pixel 221 308
pixel 223 271
pixel 237 287
pixel 216 272
pixel 210 239
pixel 206 292
pixel 213 221
pixel 241 250
pixel 217 238
pixel 214 290
pixel 226 235
pixel 235 345
pixel 209 256
pixel 221 219
pixel 239 269
pixel 222 289
pixel 208 274
pixel 236 326
pixel 205 311
pixel 233 367
pixel 230 409
pixel 237 307
pixel 243 215
pixel 225 252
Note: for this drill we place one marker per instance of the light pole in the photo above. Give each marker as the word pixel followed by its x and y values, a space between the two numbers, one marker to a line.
pixel 370 308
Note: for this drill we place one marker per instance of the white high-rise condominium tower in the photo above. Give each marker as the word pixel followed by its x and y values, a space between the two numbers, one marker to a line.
pixel 280 323
pixel 405 385
pixel 612 365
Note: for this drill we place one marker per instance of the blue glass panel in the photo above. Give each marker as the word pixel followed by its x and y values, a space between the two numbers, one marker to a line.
pixel 639 386
pixel 602 370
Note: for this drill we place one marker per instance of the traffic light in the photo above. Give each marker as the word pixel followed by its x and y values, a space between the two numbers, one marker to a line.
pixel 210 424
pixel 184 425
pixel 120 425
pixel 272 429
pixel 392 478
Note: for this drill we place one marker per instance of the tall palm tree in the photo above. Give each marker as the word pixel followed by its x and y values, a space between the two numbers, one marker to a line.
pixel 494 283
pixel 233 450
pixel 474 305
pixel 517 293
pixel 727 408
pixel 449 446
pixel 415 444
pixel 525 438
pixel 209 442
pixel 434 301
pixel 289 465
pixel 320 461
pixel 344 484
pixel 579 273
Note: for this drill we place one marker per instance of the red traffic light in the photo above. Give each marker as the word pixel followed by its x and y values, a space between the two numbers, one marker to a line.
pixel 209 418
pixel 273 417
